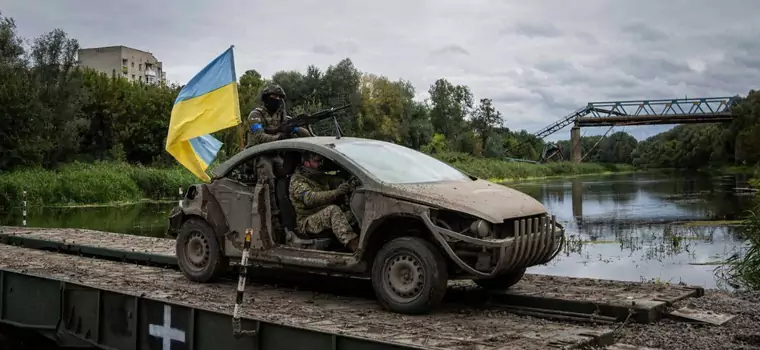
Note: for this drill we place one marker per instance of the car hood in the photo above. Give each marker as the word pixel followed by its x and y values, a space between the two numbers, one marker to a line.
pixel 484 199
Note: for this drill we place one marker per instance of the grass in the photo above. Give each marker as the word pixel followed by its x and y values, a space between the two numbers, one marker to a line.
pixel 113 183
pixel 742 270
pixel 92 183
pixel 501 170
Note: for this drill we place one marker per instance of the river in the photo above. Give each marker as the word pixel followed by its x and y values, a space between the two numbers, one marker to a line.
pixel 620 226
pixel 631 226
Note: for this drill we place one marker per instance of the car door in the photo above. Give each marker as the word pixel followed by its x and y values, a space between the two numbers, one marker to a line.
pixel 236 200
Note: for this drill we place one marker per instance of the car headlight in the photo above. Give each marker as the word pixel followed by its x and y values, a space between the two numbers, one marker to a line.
pixel 481 228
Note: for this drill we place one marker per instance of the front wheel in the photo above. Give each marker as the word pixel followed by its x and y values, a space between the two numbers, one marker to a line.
pixel 409 276
pixel 501 282
pixel 198 253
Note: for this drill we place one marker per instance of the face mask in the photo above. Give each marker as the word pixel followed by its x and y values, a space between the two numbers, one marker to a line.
pixel 272 105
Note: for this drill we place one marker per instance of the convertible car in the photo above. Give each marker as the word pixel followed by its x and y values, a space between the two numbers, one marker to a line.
pixel 421 222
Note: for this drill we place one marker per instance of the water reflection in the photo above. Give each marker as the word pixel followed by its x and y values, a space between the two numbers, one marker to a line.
pixel 626 226
pixel 148 219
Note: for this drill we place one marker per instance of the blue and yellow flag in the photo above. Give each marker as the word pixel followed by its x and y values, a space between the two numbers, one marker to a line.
pixel 208 103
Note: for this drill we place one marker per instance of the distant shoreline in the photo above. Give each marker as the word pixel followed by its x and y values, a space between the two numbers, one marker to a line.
pixel 116 183
pixel 108 184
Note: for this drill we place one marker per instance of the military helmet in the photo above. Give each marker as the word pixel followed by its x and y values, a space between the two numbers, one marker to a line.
pixel 273 89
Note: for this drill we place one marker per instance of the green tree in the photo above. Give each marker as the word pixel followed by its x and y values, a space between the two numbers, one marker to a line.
pixel 485 119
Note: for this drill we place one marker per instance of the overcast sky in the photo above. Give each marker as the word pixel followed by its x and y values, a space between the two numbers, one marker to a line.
pixel 538 60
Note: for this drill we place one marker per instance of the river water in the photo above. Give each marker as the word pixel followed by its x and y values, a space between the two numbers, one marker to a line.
pixel 620 226
pixel 644 226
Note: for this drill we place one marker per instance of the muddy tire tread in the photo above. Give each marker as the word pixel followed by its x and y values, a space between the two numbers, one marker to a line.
pixel 502 282
pixel 435 269
pixel 219 262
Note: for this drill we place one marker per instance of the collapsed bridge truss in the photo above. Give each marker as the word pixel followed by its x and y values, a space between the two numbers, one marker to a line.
pixel 646 112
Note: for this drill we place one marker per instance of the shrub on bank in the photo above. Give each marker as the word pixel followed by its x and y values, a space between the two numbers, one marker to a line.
pixel 506 170
pixel 109 182
pixel 91 183
pixel 743 270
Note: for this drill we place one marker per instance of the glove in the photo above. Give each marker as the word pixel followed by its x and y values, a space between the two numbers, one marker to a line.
pixel 354 182
pixel 345 188
pixel 283 129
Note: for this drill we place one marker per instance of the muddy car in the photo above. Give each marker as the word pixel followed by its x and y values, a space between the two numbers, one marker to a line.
pixel 421 222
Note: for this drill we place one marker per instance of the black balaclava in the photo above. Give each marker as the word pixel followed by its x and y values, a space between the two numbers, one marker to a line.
pixel 272 104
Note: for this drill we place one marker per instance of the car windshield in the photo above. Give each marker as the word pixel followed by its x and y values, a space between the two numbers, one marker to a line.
pixel 392 163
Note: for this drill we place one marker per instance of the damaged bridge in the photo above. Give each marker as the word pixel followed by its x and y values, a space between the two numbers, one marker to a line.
pixel 641 112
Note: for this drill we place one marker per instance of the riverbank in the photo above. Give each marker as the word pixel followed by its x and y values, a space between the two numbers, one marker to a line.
pixel 497 170
pixel 78 184
pixel 113 183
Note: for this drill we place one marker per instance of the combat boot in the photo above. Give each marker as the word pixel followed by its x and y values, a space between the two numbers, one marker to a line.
pixel 353 244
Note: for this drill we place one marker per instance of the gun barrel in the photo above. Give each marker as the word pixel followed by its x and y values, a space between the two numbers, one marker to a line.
pixel 313 118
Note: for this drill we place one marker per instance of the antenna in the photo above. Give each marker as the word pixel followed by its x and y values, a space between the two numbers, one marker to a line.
pixel 336 130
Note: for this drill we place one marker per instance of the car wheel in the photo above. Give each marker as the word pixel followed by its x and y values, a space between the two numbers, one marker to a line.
pixel 198 253
pixel 501 282
pixel 409 276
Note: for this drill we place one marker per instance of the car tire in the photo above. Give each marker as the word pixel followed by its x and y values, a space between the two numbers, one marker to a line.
pixel 401 288
pixel 198 253
pixel 501 282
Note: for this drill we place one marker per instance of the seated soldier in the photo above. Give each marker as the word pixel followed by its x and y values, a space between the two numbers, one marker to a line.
pixel 315 197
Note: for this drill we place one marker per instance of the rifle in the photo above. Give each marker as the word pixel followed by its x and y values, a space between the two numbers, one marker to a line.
pixel 304 119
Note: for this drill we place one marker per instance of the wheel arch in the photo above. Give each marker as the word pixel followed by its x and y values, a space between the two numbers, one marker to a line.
pixel 204 206
pixel 392 226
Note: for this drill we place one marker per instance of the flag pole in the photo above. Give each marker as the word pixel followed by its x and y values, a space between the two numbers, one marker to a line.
pixel 241 126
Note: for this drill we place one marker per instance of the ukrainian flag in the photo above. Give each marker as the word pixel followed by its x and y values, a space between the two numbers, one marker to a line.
pixel 208 103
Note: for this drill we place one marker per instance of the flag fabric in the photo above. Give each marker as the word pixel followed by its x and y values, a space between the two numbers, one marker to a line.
pixel 208 103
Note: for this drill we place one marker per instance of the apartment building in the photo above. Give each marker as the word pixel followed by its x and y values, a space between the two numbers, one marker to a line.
pixel 135 65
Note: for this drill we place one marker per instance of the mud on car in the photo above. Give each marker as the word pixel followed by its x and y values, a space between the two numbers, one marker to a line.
pixel 421 222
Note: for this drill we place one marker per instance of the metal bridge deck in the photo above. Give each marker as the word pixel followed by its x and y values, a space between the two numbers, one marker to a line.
pixel 551 297
pixel 116 305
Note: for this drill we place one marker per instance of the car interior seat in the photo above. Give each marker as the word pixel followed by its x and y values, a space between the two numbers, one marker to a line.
pixel 288 213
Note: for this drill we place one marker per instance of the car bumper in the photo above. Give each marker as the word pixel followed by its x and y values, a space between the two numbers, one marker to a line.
pixel 535 241
pixel 175 220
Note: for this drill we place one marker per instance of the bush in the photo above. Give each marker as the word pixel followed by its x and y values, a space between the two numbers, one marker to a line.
pixel 743 270
pixel 91 183
pixel 502 170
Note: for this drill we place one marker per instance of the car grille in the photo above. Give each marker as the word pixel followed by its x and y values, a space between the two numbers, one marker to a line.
pixel 529 224
pixel 535 239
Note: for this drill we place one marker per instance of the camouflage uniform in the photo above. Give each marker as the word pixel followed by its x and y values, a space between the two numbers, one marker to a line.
pixel 314 195
pixel 258 120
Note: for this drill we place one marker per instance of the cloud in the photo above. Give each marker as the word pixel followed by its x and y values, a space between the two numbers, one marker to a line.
pixel 343 48
pixel 538 61
pixel 452 50
pixel 642 31
pixel 323 49
pixel 534 30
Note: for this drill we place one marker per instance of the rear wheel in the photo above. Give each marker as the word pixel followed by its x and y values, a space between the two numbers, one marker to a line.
pixel 198 253
pixel 501 282
pixel 409 276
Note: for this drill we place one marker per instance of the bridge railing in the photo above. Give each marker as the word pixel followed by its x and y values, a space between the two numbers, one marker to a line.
pixel 683 107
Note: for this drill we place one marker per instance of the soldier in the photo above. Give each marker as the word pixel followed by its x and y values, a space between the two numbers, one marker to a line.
pixel 264 122
pixel 265 119
pixel 315 195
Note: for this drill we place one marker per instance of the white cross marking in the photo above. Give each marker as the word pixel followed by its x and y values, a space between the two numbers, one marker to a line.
pixel 165 332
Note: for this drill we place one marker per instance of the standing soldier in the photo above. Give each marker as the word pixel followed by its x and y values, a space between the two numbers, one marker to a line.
pixel 264 122
pixel 268 117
